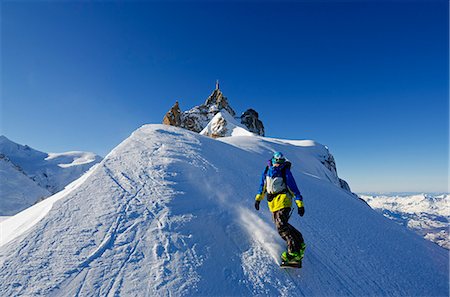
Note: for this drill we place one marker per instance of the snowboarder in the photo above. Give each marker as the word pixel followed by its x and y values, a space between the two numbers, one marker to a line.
pixel 279 184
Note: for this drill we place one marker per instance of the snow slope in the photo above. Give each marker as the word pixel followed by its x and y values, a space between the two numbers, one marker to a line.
pixel 25 220
pixel 32 175
pixel 170 212
pixel 426 214
pixel 17 190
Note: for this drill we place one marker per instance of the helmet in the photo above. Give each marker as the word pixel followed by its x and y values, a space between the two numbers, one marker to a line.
pixel 278 158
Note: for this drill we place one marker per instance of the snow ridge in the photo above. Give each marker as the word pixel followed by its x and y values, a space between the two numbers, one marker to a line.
pixel 170 212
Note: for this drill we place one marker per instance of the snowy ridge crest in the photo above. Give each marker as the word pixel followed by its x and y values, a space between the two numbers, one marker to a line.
pixel 170 212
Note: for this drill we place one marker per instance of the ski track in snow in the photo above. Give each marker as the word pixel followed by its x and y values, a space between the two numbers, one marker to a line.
pixel 170 213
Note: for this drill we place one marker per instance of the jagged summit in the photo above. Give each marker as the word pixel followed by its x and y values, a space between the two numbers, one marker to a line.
pixel 197 118
pixel 217 98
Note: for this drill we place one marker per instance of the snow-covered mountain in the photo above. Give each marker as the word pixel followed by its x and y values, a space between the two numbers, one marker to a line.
pixel 17 190
pixel 426 214
pixel 28 175
pixel 197 118
pixel 170 212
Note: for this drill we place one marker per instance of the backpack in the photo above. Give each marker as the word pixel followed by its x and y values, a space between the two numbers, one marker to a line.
pixel 283 171
pixel 283 175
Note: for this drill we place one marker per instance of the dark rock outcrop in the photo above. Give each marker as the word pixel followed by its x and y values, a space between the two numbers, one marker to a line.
pixel 250 119
pixel 344 185
pixel 173 116
pixel 329 162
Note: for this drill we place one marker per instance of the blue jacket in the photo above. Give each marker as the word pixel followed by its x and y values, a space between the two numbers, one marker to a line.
pixel 276 171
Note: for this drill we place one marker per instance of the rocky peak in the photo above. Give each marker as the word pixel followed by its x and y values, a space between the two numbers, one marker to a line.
pixel 218 99
pixel 198 117
pixel 173 116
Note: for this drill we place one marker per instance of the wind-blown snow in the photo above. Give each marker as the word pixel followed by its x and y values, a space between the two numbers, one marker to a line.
pixel 75 158
pixel 170 212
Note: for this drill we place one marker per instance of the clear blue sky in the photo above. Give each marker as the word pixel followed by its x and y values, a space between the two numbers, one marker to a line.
pixel 369 79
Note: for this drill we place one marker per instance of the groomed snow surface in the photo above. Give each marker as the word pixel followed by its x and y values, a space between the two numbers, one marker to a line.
pixel 170 212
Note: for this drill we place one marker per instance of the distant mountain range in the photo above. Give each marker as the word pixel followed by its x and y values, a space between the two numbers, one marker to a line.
pixel 428 214
pixel 28 175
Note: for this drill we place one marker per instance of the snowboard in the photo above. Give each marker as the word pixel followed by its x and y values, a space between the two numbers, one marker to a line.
pixel 290 264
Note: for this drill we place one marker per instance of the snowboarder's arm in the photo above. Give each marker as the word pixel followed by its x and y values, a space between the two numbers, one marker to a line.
pixel 262 187
pixel 292 185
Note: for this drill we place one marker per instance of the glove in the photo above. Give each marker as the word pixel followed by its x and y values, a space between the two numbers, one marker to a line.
pixel 258 199
pixel 301 208
pixel 301 211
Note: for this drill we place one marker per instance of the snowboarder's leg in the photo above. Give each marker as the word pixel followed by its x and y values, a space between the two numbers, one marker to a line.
pixel 292 236
pixel 297 239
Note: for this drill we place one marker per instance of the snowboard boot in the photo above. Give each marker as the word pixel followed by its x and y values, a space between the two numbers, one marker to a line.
pixel 302 250
pixel 291 257
pixel 294 257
